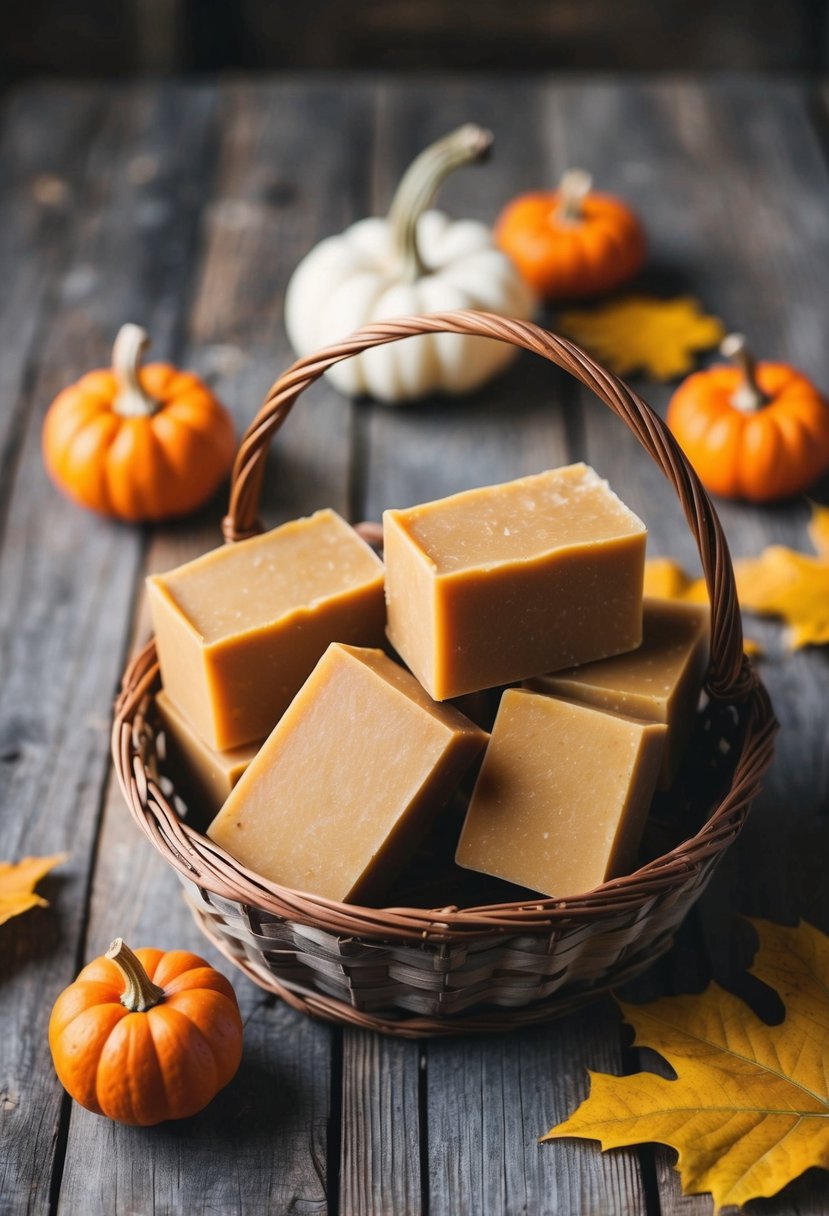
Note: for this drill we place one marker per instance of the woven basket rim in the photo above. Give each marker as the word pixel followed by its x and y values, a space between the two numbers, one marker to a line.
pixel 731 680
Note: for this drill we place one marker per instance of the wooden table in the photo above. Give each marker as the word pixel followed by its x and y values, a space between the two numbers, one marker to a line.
pixel 185 208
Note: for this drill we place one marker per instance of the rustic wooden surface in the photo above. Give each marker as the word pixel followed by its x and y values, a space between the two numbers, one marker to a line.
pixel 185 208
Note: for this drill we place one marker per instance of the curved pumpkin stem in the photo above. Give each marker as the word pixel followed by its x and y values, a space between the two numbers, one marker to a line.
pixel 749 396
pixel 418 187
pixel 573 189
pixel 132 400
pixel 140 993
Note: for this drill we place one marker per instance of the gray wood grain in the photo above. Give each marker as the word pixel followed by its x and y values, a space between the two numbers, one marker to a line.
pixel 381 1133
pixel 44 138
pixel 66 586
pixel 296 170
pixel 263 1145
pixel 490 1100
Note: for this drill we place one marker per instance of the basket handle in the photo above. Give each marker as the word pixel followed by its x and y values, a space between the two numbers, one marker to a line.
pixel 731 676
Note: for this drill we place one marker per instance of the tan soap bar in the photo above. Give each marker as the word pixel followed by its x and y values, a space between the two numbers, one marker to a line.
pixel 494 585
pixel 562 796
pixel 239 629
pixel 349 780
pixel 204 775
pixel 659 682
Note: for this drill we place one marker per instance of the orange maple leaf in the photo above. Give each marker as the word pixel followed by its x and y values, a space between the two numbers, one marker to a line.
pixel 18 881
pixel 749 1108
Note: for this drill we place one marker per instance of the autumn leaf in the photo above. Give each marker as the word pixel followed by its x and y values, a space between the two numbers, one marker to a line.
pixel 642 333
pixel 749 1108
pixel 18 881
pixel 795 586
pixel 818 528
pixel 781 582
pixel 665 579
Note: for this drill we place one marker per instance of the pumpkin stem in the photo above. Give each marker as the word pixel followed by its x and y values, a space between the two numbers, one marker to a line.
pixel 573 189
pixel 140 993
pixel 749 396
pixel 132 400
pixel 419 185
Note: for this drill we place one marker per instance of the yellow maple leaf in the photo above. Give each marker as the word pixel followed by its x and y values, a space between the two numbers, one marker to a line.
pixel 795 586
pixel 18 881
pixel 818 528
pixel 665 579
pixel 749 1108
pixel 642 333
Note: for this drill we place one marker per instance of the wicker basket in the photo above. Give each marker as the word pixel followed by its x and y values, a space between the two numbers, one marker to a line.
pixel 411 971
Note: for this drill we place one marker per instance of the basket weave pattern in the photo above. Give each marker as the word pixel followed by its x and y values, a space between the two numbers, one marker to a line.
pixel 415 971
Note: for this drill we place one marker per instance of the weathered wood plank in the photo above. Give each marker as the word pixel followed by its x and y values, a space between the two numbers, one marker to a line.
pixel 487 1101
pixel 43 143
pixel 277 1111
pixel 66 583
pixel 490 1100
pixel 381 1134
pixel 298 171
pixel 732 185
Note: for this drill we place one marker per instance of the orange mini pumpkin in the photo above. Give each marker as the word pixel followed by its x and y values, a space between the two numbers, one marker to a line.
pixel 138 443
pixel 754 431
pixel 146 1036
pixel 571 243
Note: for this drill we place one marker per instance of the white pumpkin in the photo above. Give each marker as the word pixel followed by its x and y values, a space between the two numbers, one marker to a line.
pixel 414 261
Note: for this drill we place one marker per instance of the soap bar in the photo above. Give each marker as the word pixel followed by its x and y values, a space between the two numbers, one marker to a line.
pixel 239 629
pixel 659 682
pixel 493 585
pixel 562 796
pixel 349 780
pixel 202 775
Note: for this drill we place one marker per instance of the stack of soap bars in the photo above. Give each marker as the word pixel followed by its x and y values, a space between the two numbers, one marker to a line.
pixel 309 689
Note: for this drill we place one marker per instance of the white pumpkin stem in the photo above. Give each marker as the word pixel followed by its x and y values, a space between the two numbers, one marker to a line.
pixel 132 400
pixel 420 184
pixel 749 397
pixel 573 189
pixel 140 993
